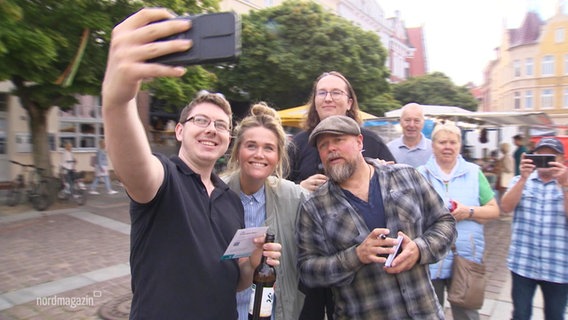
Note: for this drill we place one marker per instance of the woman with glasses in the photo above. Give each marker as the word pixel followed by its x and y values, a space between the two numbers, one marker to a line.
pixel 332 94
pixel 255 169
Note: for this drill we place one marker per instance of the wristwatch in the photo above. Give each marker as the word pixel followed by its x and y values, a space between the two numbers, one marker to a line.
pixel 471 212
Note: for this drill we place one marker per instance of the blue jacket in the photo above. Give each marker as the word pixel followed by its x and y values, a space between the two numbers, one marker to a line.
pixel 463 187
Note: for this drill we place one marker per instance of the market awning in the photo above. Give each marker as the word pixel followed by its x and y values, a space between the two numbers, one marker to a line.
pixel 294 117
pixel 499 119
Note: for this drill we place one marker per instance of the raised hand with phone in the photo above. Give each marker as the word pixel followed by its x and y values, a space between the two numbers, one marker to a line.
pixel 538 200
pixel 170 195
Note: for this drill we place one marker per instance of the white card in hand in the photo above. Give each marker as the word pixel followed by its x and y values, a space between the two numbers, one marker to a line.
pixel 242 244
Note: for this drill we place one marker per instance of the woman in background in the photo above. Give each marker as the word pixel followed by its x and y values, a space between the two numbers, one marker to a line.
pixel 465 189
pixel 507 167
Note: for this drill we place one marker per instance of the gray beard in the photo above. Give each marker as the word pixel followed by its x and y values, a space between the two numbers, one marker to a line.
pixel 341 172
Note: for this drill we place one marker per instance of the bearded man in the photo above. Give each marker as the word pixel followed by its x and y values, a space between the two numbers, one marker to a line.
pixel 349 225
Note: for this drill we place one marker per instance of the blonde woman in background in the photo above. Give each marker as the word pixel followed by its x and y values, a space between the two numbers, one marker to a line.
pixel 254 171
pixel 507 167
pixel 457 180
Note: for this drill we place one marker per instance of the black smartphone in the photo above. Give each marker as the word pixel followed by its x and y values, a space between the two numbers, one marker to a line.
pixel 541 160
pixel 216 38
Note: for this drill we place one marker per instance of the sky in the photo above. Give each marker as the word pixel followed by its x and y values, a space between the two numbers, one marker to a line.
pixel 461 35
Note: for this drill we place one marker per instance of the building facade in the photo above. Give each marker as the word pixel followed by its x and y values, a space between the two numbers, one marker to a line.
pixel 530 70
pixel 369 16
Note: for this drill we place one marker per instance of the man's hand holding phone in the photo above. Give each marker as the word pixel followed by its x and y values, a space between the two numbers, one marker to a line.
pixel 215 38
pixel 132 44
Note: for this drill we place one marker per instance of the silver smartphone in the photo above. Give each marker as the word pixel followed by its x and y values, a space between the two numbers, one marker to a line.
pixel 397 250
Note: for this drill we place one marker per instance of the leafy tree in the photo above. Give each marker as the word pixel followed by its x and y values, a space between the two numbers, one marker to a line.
pixel 434 89
pixel 53 50
pixel 284 48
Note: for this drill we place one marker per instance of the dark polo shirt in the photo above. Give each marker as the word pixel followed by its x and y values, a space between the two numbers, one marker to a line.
pixel 177 241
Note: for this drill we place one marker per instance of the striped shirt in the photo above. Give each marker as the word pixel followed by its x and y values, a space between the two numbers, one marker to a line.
pixel 255 215
pixel 539 235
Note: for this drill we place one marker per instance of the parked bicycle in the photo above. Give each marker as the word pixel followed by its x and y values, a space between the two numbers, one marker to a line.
pixel 72 186
pixel 35 188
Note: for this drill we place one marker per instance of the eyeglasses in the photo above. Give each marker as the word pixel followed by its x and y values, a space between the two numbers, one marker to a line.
pixel 335 94
pixel 203 122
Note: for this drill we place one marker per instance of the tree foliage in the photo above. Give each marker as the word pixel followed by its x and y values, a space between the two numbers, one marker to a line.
pixel 284 48
pixel 434 89
pixel 53 50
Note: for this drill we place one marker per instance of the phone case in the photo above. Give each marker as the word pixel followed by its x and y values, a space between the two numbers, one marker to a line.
pixel 216 38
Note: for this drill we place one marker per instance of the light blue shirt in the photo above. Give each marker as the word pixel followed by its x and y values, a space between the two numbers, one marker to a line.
pixel 539 235
pixel 255 215
pixel 416 156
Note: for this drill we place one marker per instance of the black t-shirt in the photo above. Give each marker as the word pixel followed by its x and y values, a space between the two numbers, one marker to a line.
pixel 177 241
pixel 305 160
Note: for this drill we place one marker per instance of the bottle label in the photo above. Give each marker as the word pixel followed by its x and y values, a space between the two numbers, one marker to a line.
pixel 265 303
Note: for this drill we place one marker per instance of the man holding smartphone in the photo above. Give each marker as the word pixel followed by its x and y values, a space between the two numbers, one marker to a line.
pixel 183 215
pixel 349 226
pixel 538 254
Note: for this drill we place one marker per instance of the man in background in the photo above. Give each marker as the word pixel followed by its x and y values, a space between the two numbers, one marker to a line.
pixel 412 147
pixel 538 254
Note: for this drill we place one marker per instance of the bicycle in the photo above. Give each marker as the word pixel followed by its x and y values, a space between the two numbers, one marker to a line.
pixel 36 188
pixel 77 191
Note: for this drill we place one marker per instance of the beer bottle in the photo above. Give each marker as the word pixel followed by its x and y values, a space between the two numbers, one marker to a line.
pixel 262 297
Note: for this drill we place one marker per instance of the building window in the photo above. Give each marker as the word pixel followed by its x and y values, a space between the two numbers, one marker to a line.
pixel 547 99
pixel 82 125
pixel 517 101
pixel 529 65
pixel 517 68
pixel 529 100
pixel 559 35
pixel 547 65
pixel 565 99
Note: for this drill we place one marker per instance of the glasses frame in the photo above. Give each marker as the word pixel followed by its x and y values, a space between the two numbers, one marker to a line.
pixel 226 126
pixel 339 93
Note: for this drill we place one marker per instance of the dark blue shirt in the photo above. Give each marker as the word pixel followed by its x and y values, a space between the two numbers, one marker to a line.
pixel 373 211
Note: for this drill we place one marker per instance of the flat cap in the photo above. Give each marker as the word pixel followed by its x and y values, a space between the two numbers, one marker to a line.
pixel 337 125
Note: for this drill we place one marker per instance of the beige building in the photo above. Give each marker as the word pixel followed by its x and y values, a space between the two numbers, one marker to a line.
pixel 530 72
pixel 368 15
pixel 82 126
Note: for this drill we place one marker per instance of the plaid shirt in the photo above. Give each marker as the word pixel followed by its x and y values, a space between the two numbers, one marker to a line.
pixel 539 237
pixel 329 229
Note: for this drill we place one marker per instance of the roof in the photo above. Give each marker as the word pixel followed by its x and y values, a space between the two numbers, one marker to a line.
pixel 488 119
pixel 528 33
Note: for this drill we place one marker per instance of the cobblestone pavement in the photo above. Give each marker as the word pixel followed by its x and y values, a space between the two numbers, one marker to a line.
pixel 71 262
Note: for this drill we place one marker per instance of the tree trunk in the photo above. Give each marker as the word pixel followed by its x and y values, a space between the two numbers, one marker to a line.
pixel 40 141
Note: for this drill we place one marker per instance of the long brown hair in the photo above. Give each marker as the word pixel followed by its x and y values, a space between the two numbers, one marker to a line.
pixel 313 118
